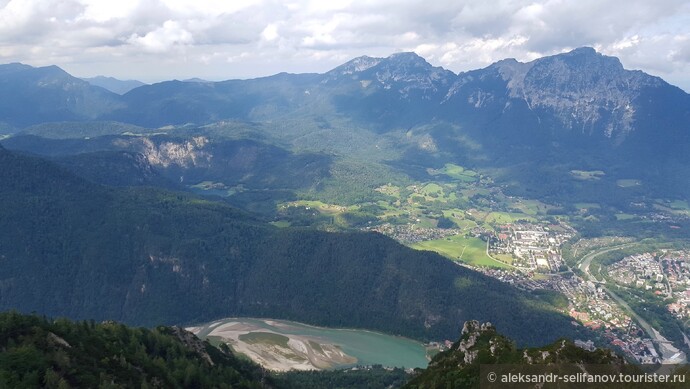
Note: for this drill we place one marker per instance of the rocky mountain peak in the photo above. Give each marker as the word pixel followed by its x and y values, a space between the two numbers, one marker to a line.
pixel 588 56
pixel 13 67
pixel 410 72
pixel 587 91
pixel 405 64
pixel 403 72
pixel 409 58
pixel 513 72
pixel 356 65
pixel 582 68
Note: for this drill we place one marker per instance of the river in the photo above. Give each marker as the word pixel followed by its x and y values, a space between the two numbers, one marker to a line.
pixel 368 347
pixel 669 353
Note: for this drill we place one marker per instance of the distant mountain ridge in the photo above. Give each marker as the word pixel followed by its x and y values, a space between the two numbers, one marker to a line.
pixel 576 110
pixel 581 91
pixel 35 95
pixel 113 84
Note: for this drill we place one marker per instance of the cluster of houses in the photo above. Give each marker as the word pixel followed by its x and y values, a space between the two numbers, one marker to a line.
pixel 532 246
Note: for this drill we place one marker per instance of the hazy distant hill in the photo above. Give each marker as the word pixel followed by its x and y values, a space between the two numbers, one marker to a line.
pixel 151 160
pixel 35 95
pixel 73 248
pixel 113 84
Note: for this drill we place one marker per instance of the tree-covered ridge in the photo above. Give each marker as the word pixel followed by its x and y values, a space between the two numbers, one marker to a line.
pixel 481 344
pixel 37 352
pixel 360 377
pixel 147 257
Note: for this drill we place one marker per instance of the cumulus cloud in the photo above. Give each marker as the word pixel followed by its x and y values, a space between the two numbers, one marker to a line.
pixel 162 39
pixel 248 38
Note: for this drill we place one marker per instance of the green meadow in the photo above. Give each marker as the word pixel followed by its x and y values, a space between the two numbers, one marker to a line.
pixel 459 173
pixel 265 338
pixel 459 248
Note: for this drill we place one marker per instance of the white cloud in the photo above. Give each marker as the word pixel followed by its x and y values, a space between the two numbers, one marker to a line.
pixel 270 33
pixel 267 36
pixel 162 39
pixel 102 11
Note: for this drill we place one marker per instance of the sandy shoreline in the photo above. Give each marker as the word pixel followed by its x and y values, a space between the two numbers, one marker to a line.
pixel 276 350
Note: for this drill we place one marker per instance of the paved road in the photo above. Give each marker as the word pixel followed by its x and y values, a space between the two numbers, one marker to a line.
pixel 587 259
pixel 669 354
pixel 488 255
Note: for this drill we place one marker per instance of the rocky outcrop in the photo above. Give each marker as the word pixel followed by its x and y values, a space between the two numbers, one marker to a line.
pixel 579 91
pixel 481 344
pixel 192 342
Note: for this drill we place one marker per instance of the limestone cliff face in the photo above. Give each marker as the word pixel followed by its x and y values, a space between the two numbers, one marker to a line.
pixel 581 91
pixel 184 153
pixel 401 73
pixel 584 90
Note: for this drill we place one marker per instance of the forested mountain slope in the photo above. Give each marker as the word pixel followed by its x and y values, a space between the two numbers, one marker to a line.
pixel 72 248
pixel 37 352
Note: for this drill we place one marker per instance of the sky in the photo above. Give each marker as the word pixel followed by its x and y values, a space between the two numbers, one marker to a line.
pixel 155 40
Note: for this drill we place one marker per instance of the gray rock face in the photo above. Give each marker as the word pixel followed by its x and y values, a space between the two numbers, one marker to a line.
pixel 583 95
pixel 584 91
pixel 356 65
pixel 471 331
pixel 402 72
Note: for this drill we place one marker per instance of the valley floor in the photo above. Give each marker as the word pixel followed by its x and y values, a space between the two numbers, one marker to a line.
pixel 282 345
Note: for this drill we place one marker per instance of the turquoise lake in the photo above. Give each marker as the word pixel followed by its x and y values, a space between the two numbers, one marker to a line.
pixel 370 348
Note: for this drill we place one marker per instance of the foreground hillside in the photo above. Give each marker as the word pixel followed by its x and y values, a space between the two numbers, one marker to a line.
pixel 36 352
pixel 39 352
pixel 481 351
pixel 147 257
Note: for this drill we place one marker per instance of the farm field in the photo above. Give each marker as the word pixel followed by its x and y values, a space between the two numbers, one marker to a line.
pixel 459 248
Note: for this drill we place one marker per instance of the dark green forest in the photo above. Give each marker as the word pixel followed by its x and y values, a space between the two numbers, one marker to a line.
pixel 364 377
pixel 36 352
pixel 147 257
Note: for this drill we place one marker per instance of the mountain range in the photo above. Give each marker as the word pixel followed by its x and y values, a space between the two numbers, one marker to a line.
pixel 530 123
pixel 582 92
pixel 91 186
pixel 113 84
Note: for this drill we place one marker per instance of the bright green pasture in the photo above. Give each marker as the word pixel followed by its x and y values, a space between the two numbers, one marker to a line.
pixel 265 338
pixel 459 173
pixel 506 217
pixel 459 248
pixel 624 216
